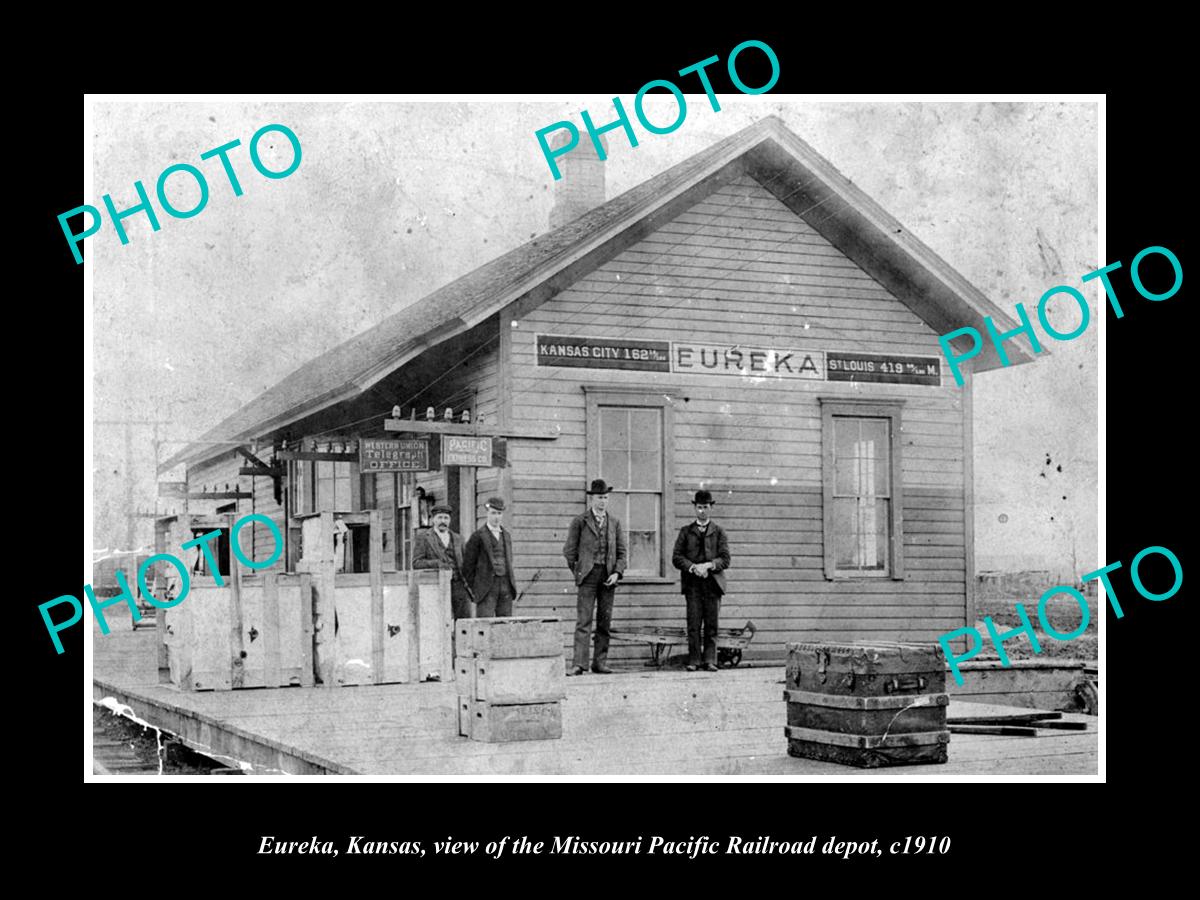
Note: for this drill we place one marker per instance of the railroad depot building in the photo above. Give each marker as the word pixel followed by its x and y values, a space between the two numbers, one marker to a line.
pixel 748 322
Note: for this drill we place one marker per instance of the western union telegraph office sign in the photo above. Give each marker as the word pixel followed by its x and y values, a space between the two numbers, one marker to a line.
pixel 690 358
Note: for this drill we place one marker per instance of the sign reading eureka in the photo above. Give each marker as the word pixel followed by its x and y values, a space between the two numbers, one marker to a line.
pixel 691 358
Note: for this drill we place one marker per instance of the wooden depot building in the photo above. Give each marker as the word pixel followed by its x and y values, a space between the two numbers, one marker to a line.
pixel 747 321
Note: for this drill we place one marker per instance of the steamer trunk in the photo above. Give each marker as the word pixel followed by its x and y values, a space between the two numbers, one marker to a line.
pixel 866 704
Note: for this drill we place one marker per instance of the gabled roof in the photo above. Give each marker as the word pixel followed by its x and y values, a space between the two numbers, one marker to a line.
pixel 867 233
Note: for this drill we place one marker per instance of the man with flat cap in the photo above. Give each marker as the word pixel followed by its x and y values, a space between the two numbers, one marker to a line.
pixel 596 554
pixel 488 564
pixel 441 548
pixel 702 556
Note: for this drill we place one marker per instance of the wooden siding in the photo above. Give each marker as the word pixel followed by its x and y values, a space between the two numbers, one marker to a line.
pixel 739 267
pixel 223 470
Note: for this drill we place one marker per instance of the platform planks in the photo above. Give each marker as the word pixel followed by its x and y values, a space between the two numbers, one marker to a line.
pixel 633 723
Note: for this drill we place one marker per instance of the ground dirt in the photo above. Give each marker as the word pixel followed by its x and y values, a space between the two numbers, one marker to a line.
pixel 1063 614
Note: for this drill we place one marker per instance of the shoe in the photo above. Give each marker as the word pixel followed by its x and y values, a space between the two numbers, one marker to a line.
pixel 578 670
pixel 690 667
pixel 710 667
pixel 602 669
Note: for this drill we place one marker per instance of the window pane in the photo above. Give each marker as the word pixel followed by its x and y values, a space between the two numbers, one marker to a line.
pixel 647 470
pixel 341 486
pixel 644 557
pixel 875 438
pixel 845 441
pixel 645 426
pixel 324 486
pixel 614 428
pixel 860 533
pixel 614 468
pixel 643 512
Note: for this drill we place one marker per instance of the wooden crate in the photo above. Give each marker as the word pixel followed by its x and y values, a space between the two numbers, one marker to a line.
pixel 510 637
pixel 316 626
pixel 536 680
pixel 490 722
pixel 866 704
pixel 374 627
pixel 391 631
pixel 258 634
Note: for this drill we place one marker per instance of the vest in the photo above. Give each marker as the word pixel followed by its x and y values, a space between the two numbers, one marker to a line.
pixel 495 552
pixel 601 556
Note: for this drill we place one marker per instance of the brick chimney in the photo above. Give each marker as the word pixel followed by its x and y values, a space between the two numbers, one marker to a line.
pixel 581 188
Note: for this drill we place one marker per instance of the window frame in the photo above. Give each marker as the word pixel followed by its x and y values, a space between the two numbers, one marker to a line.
pixel 632 397
pixel 891 410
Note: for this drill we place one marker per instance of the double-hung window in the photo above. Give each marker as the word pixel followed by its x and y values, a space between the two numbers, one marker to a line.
pixel 629 446
pixel 861 476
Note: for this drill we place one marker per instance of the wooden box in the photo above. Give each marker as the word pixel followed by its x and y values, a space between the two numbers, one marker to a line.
pixel 866 669
pixel 258 635
pixel 867 704
pixel 536 680
pixel 382 628
pixel 509 637
pixel 489 722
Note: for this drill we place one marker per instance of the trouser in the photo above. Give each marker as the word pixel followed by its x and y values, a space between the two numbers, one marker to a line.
pixel 460 608
pixel 498 602
pixel 703 609
pixel 593 596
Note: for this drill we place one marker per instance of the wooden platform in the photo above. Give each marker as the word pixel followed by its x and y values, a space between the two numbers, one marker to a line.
pixel 634 723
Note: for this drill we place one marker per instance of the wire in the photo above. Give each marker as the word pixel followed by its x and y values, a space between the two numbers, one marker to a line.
pixel 591 303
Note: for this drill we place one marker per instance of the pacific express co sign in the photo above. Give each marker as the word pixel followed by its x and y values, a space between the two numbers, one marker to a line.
pixel 692 358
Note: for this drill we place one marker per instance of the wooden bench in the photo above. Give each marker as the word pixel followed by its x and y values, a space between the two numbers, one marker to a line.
pixel 662 638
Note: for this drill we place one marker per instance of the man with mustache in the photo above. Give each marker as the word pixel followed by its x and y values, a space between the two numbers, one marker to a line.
pixel 441 548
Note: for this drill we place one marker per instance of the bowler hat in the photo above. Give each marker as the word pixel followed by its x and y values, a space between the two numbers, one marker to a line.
pixel 600 486
pixel 441 508
pixel 703 497
pixel 496 503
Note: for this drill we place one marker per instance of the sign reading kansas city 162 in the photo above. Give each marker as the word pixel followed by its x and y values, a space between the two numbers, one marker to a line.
pixel 692 358
pixel 603 353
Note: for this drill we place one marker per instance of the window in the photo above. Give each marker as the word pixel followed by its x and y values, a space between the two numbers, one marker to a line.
pixel 318 486
pixel 863 523
pixel 403 487
pixel 629 447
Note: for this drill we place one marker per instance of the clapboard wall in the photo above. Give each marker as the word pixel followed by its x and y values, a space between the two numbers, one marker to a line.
pixel 739 267
pixel 214 475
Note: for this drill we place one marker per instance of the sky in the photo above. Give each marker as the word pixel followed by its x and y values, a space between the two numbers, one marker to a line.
pixel 394 199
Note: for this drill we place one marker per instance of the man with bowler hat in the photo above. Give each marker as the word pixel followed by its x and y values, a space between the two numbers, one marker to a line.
pixel 596 554
pixel 441 548
pixel 702 556
pixel 488 564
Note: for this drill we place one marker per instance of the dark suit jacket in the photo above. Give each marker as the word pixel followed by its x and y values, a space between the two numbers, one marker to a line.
pixel 580 548
pixel 477 564
pixel 428 552
pixel 687 551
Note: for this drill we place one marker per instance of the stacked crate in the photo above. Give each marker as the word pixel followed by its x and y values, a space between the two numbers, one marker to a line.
pixel 867 704
pixel 511 678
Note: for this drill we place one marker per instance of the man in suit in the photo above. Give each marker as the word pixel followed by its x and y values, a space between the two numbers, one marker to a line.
pixel 702 556
pixel 441 548
pixel 596 554
pixel 488 564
